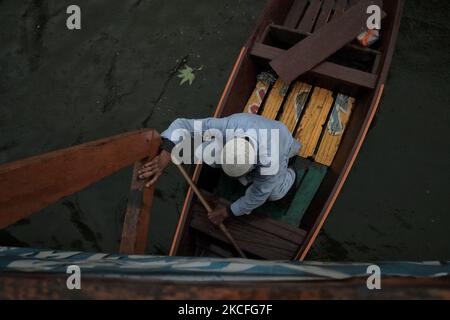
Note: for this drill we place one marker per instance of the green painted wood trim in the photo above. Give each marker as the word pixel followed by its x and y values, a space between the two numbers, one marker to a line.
pixel 308 188
pixel 273 209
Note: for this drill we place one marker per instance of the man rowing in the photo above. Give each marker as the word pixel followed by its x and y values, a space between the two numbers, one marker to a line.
pixel 247 147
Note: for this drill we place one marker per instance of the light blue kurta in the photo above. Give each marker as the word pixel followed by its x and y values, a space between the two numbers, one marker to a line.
pixel 262 186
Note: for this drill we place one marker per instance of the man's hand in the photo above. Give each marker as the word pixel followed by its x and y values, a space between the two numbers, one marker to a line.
pixel 153 169
pixel 218 215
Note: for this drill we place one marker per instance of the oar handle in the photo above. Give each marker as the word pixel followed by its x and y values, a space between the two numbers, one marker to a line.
pixel 209 209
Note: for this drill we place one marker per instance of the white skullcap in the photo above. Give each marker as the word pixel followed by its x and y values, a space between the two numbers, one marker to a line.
pixel 238 157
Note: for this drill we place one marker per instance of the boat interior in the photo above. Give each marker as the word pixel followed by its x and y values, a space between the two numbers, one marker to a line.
pixel 329 110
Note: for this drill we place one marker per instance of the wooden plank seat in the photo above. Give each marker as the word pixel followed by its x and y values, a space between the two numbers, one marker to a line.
pixel 335 128
pixel 294 105
pixel 264 82
pixel 275 100
pixel 323 124
pixel 316 117
pixel 311 124
pixel 256 234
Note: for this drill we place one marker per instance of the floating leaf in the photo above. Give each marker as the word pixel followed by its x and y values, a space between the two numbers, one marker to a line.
pixel 186 74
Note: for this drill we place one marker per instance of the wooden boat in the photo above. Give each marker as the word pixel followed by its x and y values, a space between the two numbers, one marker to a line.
pixel 350 80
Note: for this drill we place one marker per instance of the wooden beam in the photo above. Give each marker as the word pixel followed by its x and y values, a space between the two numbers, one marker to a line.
pixel 308 53
pixel 32 184
pixel 265 51
pixel 327 69
pixel 137 218
pixel 346 74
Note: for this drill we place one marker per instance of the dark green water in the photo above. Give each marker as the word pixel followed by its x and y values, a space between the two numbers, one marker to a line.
pixel 59 88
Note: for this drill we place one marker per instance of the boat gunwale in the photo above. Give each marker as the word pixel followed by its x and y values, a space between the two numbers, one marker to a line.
pixel 185 212
pixel 351 158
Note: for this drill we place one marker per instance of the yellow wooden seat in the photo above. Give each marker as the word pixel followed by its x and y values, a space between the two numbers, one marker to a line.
pixel 334 131
pixel 275 99
pixel 294 105
pixel 323 117
pixel 311 124
pixel 264 81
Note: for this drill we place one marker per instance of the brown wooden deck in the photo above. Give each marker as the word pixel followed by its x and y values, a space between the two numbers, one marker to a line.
pixel 258 235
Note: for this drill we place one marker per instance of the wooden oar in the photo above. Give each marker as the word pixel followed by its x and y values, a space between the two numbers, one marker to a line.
pixel 209 209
